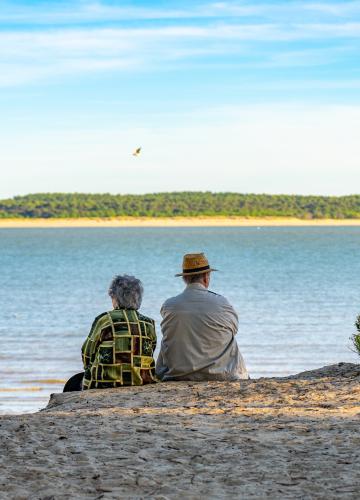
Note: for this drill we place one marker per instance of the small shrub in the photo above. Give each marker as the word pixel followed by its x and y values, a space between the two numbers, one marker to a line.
pixel 356 337
pixel 357 323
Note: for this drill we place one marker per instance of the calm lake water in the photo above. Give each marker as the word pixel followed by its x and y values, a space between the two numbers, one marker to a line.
pixel 297 292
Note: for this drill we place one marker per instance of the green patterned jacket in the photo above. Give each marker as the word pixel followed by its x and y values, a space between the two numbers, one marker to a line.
pixel 119 350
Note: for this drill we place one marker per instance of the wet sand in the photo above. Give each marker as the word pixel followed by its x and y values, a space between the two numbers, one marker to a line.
pixel 175 222
pixel 294 437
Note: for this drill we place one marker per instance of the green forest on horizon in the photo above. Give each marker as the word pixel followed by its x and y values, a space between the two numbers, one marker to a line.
pixel 179 204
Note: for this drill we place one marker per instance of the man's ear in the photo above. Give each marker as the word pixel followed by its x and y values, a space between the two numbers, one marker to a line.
pixel 207 279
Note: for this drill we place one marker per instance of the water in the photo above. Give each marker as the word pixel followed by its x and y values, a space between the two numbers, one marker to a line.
pixel 296 290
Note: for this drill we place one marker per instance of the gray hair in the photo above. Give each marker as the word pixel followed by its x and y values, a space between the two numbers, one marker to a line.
pixel 194 278
pixel 126 291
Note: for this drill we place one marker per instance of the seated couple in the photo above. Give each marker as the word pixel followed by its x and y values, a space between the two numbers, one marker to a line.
pixel 198 327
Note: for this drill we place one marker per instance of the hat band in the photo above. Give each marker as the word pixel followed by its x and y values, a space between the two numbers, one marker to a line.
pixel 196 269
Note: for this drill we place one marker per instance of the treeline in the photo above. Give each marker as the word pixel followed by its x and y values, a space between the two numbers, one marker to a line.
pixel 60 205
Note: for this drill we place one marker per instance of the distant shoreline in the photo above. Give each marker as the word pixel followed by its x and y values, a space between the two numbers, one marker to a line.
pixel 173 222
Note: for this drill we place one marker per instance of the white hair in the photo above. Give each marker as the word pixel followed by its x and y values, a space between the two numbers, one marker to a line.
pixel 194 278
pixel 126 291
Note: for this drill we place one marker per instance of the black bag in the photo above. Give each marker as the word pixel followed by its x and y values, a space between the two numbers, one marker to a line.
pixel 74 383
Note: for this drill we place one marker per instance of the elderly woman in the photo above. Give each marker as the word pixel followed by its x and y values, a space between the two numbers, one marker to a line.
pixel 120 346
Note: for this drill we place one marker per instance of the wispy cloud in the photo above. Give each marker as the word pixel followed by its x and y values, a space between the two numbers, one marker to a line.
pixel 85 12
pixel 341 9
pixel 96 11
pixel 246 32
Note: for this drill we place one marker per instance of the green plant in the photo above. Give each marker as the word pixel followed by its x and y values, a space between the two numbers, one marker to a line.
pixel 356 337
pixel 357 323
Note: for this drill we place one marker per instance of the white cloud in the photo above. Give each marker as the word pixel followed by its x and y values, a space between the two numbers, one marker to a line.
pixel 28 55
pixel 330 30
pixel 338 9
pixel 303 85
pixel 89 13
pixel 85 12
pixel 96 11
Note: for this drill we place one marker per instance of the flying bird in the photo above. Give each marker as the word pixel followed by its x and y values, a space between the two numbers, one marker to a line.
pixel 137 152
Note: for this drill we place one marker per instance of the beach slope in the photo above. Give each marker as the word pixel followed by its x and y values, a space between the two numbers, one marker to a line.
pixel 294 437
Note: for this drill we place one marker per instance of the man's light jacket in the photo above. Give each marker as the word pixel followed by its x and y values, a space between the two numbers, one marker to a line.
pixel 199 328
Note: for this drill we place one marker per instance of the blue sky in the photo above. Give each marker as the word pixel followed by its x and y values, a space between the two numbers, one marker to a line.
pixel 222 96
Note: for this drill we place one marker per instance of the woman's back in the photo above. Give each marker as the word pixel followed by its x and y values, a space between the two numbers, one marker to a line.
pixel 119 350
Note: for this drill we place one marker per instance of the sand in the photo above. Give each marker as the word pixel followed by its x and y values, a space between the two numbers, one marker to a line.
pixel 175 222
pixel 295 437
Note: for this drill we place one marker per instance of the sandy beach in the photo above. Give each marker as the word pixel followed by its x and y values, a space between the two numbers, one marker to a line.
pixel 294 437
pixel 175 222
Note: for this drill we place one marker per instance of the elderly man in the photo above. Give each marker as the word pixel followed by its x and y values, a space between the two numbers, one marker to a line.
pixel 199 328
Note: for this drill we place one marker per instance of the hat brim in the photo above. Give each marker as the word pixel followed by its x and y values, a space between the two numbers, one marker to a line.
pixel 196 272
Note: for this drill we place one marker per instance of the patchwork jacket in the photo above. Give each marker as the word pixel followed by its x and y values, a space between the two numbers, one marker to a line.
pixel 119 350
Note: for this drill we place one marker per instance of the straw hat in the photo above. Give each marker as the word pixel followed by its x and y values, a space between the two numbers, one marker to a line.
pixel 195 263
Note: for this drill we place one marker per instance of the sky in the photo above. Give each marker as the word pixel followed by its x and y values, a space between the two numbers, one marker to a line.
pixel 251 97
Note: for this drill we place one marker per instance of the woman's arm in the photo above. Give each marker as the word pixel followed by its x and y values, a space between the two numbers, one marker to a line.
pixel 153 336
pixel 89 347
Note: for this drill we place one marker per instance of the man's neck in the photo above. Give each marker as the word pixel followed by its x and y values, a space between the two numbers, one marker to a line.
pixel 196 285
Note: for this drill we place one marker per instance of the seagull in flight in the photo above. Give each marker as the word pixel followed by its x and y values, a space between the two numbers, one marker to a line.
pixel 137 152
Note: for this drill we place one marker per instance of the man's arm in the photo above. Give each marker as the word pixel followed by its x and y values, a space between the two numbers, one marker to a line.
pixel 160 367
pixel 163 309
pixel 231 317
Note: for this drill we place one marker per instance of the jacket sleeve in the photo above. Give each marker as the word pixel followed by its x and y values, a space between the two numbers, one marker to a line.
pixel 160 367
pixel 89 347
pixel 152 335
pixel 231 317
pixel 163 309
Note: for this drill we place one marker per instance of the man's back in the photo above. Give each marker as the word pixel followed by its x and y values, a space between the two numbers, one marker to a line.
pixel 199 329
